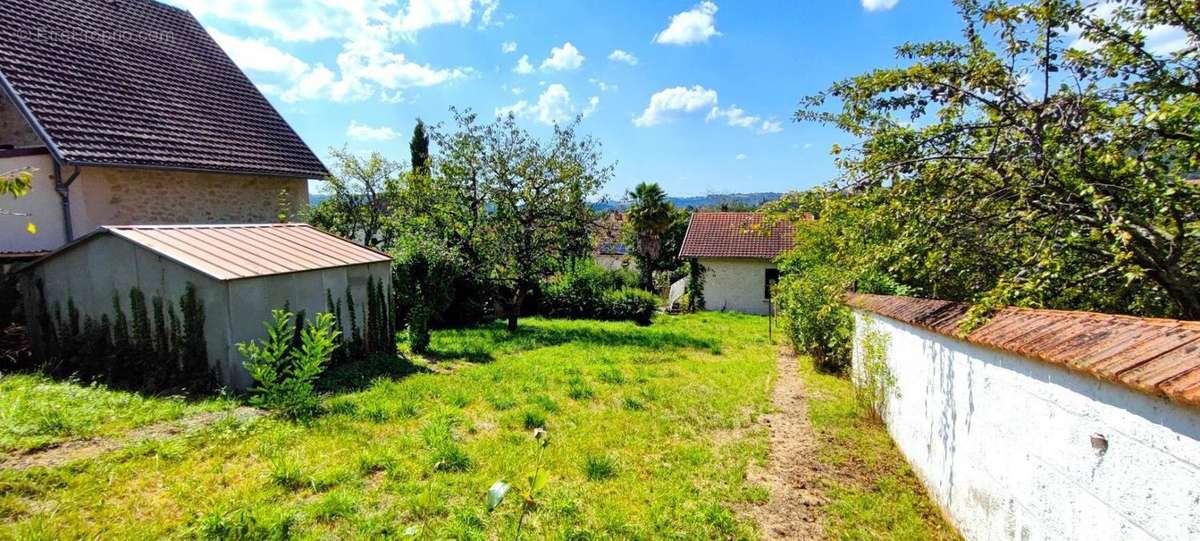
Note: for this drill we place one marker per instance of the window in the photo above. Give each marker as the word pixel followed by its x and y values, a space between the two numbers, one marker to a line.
pixel 772 278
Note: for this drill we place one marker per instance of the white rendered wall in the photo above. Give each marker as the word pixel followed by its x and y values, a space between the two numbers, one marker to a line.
pixel 736 285
pixel 1004 443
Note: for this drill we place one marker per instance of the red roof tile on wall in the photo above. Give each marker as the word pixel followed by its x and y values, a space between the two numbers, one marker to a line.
pixel 137 83
pixel 1156 356
pixel 735 235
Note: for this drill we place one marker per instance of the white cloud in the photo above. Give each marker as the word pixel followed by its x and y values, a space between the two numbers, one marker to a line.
pixel 554 106
pixel 366 29
pixel 523 66
pixel 740 157
pixel 770 126
pixel 603 86
pixel 363 132
pixel 693 26
pixel 1160 40
pixel 681 100
pixel 508 47
pixel 736 116
pixel 675 100
pixel 422 14
pixel 563 58
pixel 879 5
pixel 257 55
pixel 593 104
pixel 622 56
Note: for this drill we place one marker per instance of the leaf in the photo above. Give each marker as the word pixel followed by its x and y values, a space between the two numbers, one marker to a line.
pixel 537 482
pixel 32 229
pixel 495 495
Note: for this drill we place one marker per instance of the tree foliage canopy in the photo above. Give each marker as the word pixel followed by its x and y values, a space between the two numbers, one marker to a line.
pixel 1041 160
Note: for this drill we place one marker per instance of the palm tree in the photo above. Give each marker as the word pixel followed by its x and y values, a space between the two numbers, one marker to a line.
pixel 649 219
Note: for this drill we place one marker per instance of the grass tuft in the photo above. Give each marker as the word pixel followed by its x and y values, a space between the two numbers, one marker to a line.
pixel 599 468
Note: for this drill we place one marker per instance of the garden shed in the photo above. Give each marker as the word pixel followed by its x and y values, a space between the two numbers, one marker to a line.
pixel 222 280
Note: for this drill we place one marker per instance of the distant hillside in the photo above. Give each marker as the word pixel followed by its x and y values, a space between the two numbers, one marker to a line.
pixel 708 201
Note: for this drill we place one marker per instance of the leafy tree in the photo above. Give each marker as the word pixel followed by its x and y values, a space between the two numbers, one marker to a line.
pixel 535 190
pixel 363 193
pixel 418 148
pixel 1039 161
pixel 17 183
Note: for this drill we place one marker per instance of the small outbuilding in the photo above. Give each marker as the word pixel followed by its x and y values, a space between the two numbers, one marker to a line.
pixel 237 275
pixel 737 250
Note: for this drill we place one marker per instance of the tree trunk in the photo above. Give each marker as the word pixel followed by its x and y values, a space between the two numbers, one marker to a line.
pixel 512 321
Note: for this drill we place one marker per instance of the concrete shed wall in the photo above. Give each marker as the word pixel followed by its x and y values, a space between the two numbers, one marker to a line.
pixel 251 301
pixel 736 285
pixel 1004 443
pixel 235 311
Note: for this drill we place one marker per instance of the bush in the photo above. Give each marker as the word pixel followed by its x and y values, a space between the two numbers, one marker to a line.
pixel 629 304
pixel 816 317
pixel 284 374
pixel 581 292
pixel 424 272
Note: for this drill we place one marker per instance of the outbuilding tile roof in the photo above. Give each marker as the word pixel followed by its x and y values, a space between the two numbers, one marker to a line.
pixel 233 252
pixel 141 84
pixel 735 235
pixel 1156 356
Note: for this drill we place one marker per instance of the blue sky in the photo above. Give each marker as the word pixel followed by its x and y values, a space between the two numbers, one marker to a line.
pixel 701 100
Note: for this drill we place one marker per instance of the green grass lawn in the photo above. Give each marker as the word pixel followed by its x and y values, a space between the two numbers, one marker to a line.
pixel 874 494
pixel 651 430
pixel 36 412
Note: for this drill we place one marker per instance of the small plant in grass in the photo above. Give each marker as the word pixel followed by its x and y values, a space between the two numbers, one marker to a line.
pixel 599 468
pixel 445 454
pixel 286 472
pixel 244 525
pixel 612 376
pixel 579 390
pixel 502 402
pixel 633 404
pixel 284 375
pixel 874 382
pixel 531 491
pixel 533 418
pixel 333 506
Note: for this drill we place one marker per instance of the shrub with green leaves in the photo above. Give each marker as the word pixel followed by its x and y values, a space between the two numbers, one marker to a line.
pixel 423 276
pixel 284 375
pixel 581 292
pixel 630 304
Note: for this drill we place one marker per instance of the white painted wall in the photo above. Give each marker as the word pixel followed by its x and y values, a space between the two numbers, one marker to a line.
pixel 1003 443
pixel 736 285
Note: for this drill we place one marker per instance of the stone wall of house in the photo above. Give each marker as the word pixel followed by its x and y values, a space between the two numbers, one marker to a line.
pixel 13 128
pixel 141 196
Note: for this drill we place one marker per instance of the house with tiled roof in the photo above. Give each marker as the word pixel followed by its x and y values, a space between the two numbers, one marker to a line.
pixel 128 112
pixel 737 250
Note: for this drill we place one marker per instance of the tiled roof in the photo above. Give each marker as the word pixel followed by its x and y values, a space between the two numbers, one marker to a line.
pixel 735 235
pixel 1156 356
pixel 137 83
pixel 233 252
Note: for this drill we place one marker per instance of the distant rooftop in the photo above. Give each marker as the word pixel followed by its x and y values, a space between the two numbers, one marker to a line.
pixel 137 83
pixel 735 235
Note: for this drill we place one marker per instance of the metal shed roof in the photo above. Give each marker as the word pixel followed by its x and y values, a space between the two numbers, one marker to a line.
pixel 235 252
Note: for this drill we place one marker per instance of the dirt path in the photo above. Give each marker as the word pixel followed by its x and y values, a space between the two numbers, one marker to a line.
pixel 72 451
pixel 793 476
